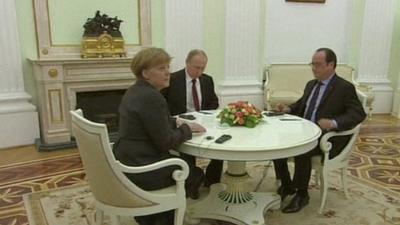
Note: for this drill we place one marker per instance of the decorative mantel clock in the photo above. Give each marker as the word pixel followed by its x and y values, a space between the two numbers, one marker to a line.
pixel 102 37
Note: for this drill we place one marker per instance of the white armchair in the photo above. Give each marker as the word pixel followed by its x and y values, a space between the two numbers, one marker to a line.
pixel 114 193
pixel 284 83
pixel 322 168
pixel 364 92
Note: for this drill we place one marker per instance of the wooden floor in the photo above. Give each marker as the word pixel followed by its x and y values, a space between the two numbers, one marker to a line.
pixel 28 153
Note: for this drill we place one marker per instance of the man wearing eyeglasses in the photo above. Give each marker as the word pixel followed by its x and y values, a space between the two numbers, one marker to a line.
pixel 329 101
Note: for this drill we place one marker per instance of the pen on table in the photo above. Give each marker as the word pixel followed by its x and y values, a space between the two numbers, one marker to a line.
pixel 203 112
pixel 289 119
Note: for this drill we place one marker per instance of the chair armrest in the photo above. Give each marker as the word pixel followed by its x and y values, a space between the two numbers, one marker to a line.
pixel 266 98
pixel 326 145
pixel 266 82
pixel 267 94
pixel 353 77
pixel 266 74
pixel 177 174
pixel 365 87
pixel 362 97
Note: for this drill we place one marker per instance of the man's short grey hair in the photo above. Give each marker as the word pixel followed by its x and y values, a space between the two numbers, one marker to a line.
pixel 193 53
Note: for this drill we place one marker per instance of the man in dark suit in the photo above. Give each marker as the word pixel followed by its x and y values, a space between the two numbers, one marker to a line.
pixel 179 94
pixel 332 103
pixel 192 90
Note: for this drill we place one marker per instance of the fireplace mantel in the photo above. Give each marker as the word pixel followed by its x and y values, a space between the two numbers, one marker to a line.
pixel 58 81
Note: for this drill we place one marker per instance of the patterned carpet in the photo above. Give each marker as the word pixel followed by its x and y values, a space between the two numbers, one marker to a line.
pixel 74 205
pixel 19 179
pixel 376 159
pixel 375 163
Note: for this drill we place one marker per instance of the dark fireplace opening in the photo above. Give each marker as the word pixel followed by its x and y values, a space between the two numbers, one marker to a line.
pixel 102 107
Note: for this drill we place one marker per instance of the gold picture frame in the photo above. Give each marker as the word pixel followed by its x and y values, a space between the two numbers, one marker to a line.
pixel 307 1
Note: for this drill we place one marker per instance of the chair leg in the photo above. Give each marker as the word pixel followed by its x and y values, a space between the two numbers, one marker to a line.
pixel 317 176
pixel 324 189
pixel 344 182
pixel 369 116
pixel 321 186
pixel 114 219
pixel 179 215
pixel 99 216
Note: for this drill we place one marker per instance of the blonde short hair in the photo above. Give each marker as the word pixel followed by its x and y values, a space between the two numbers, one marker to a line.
pixel 147 58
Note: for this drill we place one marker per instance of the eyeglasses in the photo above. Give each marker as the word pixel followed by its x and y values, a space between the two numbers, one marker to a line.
pixel 316 64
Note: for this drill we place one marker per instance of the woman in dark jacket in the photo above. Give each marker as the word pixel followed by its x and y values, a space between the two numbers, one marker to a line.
pixel 147 131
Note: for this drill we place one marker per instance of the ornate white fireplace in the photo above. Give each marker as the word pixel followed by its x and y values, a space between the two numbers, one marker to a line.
pixel 62 75
pixel 58 82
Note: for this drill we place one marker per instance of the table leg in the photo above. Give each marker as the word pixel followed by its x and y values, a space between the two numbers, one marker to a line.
pixel 232 202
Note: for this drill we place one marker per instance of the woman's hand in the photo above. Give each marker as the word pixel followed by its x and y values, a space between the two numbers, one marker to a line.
pixel 195 127
pixel 179 122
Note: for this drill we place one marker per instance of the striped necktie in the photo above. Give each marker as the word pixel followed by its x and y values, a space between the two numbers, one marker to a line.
pixel 313 101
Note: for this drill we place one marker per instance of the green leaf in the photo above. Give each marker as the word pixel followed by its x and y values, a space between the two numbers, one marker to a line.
pixel 250 124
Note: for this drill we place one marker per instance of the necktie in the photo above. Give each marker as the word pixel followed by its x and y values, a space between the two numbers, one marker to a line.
pixel 312 103
pixel 195 97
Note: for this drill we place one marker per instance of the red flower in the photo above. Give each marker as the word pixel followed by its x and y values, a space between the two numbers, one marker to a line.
pixel 240 113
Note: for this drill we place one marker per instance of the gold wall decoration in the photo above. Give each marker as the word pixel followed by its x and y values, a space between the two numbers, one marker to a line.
pixel 103 46
pixel 53 73
pixel 102 37
pixel 45 51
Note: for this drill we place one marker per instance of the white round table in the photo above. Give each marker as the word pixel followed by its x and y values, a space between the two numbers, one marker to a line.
pixel 274 137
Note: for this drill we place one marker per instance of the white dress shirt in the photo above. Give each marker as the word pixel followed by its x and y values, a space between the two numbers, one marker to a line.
pixel 322 90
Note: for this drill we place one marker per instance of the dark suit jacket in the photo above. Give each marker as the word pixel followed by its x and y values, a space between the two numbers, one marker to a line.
pixel 339 102
pixel 146 130
pixel 175 94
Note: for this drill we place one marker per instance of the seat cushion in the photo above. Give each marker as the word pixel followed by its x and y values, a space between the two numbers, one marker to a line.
pixel 167 190
pixel 286 97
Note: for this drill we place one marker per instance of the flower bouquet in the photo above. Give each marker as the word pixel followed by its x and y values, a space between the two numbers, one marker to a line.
pixel 240 113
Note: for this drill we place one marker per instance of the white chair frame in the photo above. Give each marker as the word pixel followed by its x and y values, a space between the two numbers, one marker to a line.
pixel 171 198
pixel 322 168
